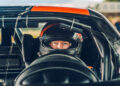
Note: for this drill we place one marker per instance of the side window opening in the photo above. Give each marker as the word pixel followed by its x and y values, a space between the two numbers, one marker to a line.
pixel 35 32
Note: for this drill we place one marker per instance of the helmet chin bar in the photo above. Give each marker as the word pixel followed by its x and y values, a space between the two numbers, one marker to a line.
pixel 56 68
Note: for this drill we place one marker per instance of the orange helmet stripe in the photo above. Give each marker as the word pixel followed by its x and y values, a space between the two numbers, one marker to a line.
pixel 42 32
pixel 60 9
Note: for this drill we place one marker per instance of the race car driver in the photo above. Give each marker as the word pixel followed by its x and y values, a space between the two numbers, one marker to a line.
pixel 53 39
pixel 57 39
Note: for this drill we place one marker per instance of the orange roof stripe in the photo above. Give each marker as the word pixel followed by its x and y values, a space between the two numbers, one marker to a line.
pixel 60 9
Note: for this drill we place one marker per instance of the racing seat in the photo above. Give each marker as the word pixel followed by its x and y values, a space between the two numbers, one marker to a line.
pixel 89 52
pixel 89 55
pixel 30 47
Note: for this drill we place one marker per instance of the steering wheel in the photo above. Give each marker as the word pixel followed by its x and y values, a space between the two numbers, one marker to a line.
pixel 56 68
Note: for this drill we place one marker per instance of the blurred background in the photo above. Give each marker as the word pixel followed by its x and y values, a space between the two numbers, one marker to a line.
pixel 109 8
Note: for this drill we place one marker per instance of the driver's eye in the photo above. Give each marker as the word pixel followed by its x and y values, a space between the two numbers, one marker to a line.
pixel 56 43
pixel 65 43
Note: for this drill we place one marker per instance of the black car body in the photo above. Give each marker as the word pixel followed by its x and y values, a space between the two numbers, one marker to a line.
pixel 100 48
